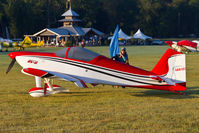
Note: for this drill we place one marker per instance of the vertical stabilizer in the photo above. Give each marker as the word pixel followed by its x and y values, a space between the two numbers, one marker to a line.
pixel 172 68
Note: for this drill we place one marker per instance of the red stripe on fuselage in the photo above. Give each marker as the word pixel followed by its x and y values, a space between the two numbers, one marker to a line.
pixel 116 65
pixel 22 53
pixel 177 87
pixel 101 61
pixel 105 62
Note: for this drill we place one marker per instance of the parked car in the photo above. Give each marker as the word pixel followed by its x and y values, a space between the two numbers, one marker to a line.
pixel 157 42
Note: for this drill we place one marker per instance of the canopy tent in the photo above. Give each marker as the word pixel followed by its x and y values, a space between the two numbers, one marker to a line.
pixel 122 36
pixel 140 35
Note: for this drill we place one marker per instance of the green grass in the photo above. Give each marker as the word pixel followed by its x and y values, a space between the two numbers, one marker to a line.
pixel 100 108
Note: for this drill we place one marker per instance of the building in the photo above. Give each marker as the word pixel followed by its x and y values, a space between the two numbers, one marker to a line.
pixel 70 31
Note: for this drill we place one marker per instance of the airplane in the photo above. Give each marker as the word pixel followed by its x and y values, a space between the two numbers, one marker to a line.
pixel 81 66
pixel 184 46
pixel 26 43
pixel 7 43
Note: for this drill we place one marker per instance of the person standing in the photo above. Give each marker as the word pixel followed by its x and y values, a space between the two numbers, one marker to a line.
pixel 123 57
pixel 83 43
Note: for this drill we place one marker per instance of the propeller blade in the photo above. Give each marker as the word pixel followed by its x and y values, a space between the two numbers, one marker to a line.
pixel 11 65
pixel 21 47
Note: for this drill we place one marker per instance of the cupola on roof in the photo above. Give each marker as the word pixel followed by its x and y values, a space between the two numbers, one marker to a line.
pixel 70 12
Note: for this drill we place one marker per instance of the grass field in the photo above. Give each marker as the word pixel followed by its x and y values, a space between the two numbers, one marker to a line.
pixel 100 108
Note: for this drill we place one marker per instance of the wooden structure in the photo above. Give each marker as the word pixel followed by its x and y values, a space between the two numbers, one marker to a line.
pixel 70 30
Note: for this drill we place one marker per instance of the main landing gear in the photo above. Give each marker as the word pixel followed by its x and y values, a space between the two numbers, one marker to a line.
pixel 47 90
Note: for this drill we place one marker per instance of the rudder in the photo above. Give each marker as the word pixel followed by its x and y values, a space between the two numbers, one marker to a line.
pixel 172 68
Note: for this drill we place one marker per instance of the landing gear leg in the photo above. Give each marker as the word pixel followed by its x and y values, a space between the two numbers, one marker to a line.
pixel 38 91
pixel 53 88
pixel 38 81
pixel 47 81
pixel 47 90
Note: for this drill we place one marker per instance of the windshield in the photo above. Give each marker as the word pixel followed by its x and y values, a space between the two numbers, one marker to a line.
pixel 81 54
pixel 61 53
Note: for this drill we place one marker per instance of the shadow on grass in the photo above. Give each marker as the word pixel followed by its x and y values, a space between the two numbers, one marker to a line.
pixel 63 94
pixel 191 92
pixel 87 93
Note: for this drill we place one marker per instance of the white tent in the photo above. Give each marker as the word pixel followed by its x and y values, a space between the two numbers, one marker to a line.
pixel 122 35
pixel 140 35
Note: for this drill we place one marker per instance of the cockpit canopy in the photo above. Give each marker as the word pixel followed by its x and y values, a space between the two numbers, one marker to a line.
pixel 77 53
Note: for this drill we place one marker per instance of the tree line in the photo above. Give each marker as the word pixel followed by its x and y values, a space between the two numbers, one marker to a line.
pixel 156 18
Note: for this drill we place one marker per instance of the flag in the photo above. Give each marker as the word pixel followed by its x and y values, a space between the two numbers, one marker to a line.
pixel 114 45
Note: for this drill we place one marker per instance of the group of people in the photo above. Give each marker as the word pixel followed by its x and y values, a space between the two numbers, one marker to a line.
pixel 122 57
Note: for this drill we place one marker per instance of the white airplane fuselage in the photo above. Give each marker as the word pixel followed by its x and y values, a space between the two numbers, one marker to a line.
pixel 87 72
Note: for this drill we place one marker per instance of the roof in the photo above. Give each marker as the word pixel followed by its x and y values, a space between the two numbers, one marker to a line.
pixel 55 31
pixel 59 31
pixel 64 31
pixel 74 30
pixel 70 12
pixel 70 20
pixel 86 30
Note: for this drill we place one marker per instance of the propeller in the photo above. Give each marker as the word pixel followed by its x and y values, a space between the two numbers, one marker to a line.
pixel 21 45
pixel 11 65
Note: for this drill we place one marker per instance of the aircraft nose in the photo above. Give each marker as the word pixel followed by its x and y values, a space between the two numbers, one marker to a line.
pixel 13 54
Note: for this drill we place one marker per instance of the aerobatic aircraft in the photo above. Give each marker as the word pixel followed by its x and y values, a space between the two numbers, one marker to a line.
pixel 26 43
pixel 184 46
pixel 81 66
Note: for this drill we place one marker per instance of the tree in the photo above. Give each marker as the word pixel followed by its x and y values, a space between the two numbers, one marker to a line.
pixel 158 18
